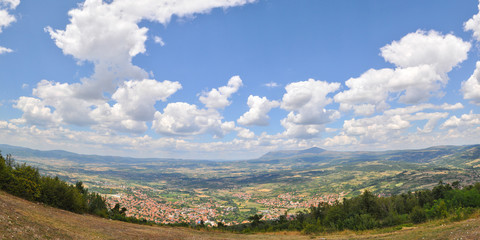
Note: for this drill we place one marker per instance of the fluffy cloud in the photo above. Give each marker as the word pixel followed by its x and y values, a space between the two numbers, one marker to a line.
pixel 35 112
pixel 427 48
pixel 244 147
pixel 471 87
pixel 5 19
pixel 218 98
pixel 137 98
pixel 183 119
pixel 367 93
pixel 61 96
pixel 12 4
pixel 93 27
pixel 134 105
pixel 259 108
pixel 245 133
pixel 340 140
pixel 163 10
pixel 5 50
pixel 306 101
pixel 96 24
pixel 301 131
pixel 423 61
pixel 393 124
pixel 473 24
pixel 465 121
pixel 112 118
pixel 376 128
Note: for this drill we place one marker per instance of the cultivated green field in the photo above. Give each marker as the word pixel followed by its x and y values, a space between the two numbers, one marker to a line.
pixel 271 185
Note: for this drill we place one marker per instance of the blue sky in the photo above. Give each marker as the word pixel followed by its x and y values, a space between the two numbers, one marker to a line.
pixel 234 79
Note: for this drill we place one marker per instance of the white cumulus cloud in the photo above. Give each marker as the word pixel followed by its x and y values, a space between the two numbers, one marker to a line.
pixel 465 121
pixel 12 4
pixel 112 118
pixel 258 113
pixel 427 48
pixel 5 50
pixel 61 97
pixel 219 98
pixel 117 96
pixel 35 112
pixel 395 124
pixel 137 98
pixel 134 104
pixel 96 24
pixel 306 101
pixel 6 18
pixel 473 24
pixel 245 133
pixel 183 119
pixel 423 60
pixel 471 87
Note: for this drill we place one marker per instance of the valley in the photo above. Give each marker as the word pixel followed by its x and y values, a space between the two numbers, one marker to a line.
pixel 190 191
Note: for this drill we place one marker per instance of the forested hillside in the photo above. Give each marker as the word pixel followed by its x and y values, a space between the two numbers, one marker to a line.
pixel 369 211
pixel 26 182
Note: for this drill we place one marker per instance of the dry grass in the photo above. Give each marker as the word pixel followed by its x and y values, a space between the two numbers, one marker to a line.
pixel 20 219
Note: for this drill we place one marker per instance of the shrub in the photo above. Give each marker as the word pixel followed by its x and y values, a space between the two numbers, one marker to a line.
pixel 418 215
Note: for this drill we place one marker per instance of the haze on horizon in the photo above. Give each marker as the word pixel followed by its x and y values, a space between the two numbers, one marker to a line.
pixel 234 79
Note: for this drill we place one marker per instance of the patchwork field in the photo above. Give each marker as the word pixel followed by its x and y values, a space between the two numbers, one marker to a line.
pixel 176 190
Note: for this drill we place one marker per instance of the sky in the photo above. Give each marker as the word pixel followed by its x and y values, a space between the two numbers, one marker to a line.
pixel 234 79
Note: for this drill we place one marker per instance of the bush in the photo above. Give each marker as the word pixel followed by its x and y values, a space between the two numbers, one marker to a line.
pixel 461 214
pixel 418 215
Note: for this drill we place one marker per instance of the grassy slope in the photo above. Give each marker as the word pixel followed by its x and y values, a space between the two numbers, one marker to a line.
pixel 20 219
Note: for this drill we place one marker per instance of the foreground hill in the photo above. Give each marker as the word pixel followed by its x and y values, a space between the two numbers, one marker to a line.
pixel 21 219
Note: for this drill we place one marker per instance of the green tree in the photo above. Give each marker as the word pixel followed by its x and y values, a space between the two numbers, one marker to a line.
pixel 418 215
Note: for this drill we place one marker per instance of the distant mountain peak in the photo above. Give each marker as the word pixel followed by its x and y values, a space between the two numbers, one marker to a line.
pixel 313 150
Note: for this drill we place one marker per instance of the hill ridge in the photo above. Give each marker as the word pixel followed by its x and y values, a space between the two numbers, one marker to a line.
pixel 281 154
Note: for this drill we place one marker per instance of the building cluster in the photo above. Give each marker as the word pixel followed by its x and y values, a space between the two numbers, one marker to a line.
pixel 156 209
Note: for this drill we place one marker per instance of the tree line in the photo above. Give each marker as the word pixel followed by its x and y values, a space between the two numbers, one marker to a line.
pixel 369 211
pixel 26 182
